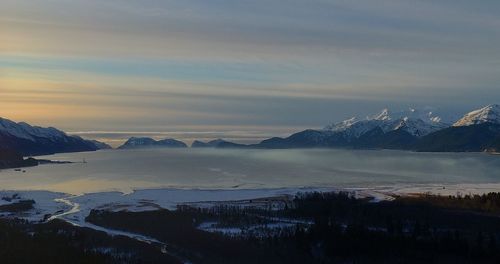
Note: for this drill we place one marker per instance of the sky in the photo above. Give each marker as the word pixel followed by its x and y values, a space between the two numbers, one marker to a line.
pixel 241 70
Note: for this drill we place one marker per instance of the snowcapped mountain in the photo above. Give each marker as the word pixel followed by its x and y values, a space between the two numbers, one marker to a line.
pixel 26 131
pixel 409 130
pixel 416 122
pixel 34 140
pixel 487 114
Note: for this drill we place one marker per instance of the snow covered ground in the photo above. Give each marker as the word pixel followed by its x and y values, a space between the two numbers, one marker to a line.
pixel 74 209
pixel 153 199
pixel 46 204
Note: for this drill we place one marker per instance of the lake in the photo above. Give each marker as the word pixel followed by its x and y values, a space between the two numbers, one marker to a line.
pixel 124 170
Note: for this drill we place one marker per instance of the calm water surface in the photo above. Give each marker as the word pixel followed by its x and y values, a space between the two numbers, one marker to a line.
pixel 232 169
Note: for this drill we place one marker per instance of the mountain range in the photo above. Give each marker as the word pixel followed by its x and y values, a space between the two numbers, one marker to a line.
pixel 27 140
pixel 411 129
pixel 478 130
pixel 415 122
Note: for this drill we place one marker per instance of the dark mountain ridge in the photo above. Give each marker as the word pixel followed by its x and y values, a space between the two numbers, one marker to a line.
pixel 30 140
pixel 145 142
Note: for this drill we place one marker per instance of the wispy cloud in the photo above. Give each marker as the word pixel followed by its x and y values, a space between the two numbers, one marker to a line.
pixel 125 63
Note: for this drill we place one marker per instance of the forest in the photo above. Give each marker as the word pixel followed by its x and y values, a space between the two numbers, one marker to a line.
pixel 329 228
pixel 309 228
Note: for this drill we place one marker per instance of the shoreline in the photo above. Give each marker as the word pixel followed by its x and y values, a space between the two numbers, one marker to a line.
pixel 74 208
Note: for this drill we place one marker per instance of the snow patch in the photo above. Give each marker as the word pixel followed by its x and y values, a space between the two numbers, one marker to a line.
pixel 416 122
pixel 488 114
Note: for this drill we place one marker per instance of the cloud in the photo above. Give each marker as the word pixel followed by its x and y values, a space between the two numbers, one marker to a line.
pixel 161 64
pixel 241 30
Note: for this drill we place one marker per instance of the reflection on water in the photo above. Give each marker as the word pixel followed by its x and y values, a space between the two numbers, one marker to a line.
pixel 230 169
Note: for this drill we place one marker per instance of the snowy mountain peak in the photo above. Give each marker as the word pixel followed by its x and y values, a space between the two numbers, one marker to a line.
pixel 410 113
pixel 342 125
pixel 416 122
pixel 487 114
pixel 435 119
pixel 34 140
pixel 26 131
pixel 383 115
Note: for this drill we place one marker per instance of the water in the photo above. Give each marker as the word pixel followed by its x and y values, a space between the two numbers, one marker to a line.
pixel 125 170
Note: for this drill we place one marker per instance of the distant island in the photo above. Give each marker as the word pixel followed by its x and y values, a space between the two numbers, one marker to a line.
pixel 217 143
pixel 145 142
